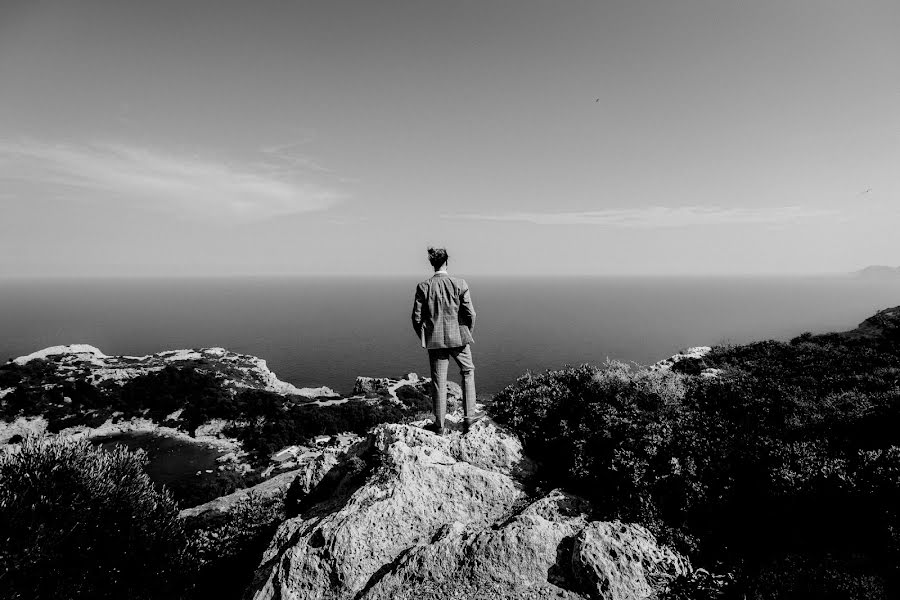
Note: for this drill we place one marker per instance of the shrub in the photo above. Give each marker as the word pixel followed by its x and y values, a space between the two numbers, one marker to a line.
pixel 605 433
pixel 229 546
pixel 80 522
pixel 199 393
pixel 299 423
pixel 413 398
pixel 791 455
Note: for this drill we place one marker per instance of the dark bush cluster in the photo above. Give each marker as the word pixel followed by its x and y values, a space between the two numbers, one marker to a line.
pixel 414 398
pixel 196 490
pixel 264 421
pixel 788 457
pixel 228 546
pixel 154 395
pixel 291 424
pixel 80 522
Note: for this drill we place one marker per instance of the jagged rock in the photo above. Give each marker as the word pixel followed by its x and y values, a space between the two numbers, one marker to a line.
pixel 694 353
pixel 274 489
pixel 410 514
pixel 311 475
pixel 269 489
pixel 614 560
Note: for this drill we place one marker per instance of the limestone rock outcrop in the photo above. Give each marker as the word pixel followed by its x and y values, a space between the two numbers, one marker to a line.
pixel 90 364
pixel 410 514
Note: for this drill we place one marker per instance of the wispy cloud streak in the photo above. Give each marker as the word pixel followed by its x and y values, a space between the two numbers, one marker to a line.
pixel 187 186
pixel 289 154
pixel 659 217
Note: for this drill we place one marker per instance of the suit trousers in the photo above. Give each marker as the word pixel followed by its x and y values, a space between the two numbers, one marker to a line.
pixel 440 362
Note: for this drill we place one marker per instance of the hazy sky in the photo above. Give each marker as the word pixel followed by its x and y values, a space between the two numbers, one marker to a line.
pixel 233 137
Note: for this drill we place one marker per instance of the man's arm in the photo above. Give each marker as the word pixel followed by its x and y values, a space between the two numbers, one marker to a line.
pixel 466 308
pixel 418 302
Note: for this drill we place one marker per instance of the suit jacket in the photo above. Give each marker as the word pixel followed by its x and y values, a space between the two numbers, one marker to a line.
pixel 443 307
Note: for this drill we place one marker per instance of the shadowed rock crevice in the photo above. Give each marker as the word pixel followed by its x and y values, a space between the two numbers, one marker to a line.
pixel 560 574
pixel 335 488
pixel 380 573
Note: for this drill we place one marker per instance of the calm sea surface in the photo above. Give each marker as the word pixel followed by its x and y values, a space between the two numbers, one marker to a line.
pixel 319 331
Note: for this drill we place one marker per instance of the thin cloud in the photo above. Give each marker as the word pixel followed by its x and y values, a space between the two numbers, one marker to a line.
pixel 659 217
pixel 289 154
pixel 187 186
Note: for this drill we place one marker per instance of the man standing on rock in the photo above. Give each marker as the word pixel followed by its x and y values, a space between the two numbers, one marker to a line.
pixel 443 318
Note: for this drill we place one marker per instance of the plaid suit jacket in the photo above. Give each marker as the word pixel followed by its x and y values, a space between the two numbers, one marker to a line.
pixel 443 307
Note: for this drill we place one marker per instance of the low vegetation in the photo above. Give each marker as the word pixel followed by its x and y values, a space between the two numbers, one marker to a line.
pixel 269 425
pixel 79 522
pixel 226 547
pixel 784 470
pixel 264 421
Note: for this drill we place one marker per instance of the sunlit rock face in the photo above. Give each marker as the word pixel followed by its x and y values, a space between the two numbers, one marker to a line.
pixel 410 514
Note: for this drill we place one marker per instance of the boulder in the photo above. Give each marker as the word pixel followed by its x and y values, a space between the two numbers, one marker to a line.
pixel 410 514
pixel 310 476
pixel 613 560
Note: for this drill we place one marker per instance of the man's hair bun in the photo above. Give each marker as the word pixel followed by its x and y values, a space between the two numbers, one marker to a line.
pixel 437 257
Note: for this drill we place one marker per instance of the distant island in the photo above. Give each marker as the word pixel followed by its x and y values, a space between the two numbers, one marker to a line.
pixel 878 272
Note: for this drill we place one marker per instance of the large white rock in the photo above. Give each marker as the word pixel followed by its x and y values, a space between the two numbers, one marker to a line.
pixel 88 351
pixel 614 560
pixel 517 558
pixel 419 485
pixel 414 515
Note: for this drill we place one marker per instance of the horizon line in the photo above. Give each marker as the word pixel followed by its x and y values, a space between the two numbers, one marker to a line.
pixel 421 274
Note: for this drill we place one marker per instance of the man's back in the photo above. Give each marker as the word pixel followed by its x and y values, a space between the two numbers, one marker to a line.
pixel 443 318
pixel 443 306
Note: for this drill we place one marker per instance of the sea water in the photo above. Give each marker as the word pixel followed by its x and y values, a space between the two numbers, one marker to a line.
pixel 326 331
